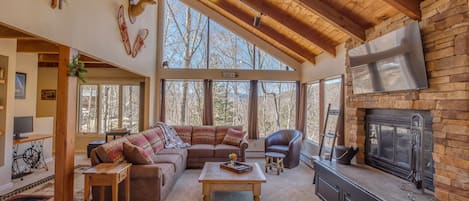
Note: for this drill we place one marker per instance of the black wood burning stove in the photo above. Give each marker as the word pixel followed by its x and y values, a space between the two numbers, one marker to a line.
pixel 393 144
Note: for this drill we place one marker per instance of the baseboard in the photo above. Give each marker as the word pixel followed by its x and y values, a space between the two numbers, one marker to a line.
pixel 307 159
pixel 255 154
pixel 6 186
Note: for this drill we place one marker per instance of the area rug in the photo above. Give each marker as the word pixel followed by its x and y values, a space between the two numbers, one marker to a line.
pixel 293 184
pixel 30 198
pixel 45 187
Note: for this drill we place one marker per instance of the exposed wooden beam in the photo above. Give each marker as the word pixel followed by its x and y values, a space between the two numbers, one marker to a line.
pixel 292 23
pixel 338 19
pixel 55 58
pixel 6 32
pixel 264 29
pixel 65 127
pixel 38 46
pixel 87 65
pixel 411 8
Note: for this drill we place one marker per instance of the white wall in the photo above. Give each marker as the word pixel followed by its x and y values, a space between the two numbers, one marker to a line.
pixel 27 63
pixel 326 66
pixel 8 48
pixel 91 27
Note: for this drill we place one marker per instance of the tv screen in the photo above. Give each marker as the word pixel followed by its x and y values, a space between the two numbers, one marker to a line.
pixel 23 125
pixel 392 62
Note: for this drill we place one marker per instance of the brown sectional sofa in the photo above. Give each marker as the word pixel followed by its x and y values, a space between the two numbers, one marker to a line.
pixel 153 182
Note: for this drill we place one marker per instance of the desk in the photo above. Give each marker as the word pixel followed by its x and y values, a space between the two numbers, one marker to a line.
pixel 33 156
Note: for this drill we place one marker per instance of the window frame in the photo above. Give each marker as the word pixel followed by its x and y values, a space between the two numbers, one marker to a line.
pixel 98 105
pixel 322 104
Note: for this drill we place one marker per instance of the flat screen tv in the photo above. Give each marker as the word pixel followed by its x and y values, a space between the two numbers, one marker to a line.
pixel 22 125
pixel 392 62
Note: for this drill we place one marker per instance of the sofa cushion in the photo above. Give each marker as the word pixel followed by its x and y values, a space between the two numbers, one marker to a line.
pixel 184 132
pixel 136 155
pixel 141 141
pixel 233 137
pixel 278 148
pixel 156 139
pixel 201 150
pixel 174 159
pixel 221 132
pixel 112 151
pixel 203 135
pixel 222 150
pixel 181 152
pixel 168 172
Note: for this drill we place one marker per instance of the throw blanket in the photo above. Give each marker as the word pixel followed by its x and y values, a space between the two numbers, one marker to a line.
pixel 171 139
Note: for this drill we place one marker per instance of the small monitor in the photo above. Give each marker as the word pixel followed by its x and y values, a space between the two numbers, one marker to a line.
pixel 22 125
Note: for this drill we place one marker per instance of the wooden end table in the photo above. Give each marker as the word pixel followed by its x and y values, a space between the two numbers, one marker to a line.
pixel 274 159
pixel 213 178
pixel 108 174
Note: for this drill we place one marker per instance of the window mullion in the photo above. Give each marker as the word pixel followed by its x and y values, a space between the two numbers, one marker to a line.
pixel 98 110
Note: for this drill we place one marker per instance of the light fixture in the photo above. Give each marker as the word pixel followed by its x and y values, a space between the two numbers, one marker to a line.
pixel 257 20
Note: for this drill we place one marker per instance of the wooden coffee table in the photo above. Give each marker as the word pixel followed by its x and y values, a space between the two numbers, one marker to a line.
pixel 213 178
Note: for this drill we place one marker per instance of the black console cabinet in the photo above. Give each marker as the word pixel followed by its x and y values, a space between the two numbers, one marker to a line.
pixel 332 186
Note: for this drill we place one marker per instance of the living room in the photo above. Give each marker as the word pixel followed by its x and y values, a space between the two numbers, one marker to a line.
pixel 221 71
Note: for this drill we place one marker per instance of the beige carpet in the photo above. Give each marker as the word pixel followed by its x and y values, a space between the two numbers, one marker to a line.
pixel 293 184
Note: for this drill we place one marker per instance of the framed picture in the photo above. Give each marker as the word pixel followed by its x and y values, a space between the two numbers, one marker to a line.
pixel 20 86
pixel 48 94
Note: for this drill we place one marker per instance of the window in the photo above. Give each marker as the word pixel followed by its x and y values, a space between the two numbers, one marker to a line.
pixel 312 112
pixel 230 103
pixel 193 41
pixel 229 51
pixel 88 109
pixel 117 106
pixel 332 96
pixel 276 106
pixel 184 100
pixel 185 36
pixel 130 107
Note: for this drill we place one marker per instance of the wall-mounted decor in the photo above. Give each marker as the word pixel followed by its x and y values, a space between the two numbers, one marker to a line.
pixel 136 9
pixel 48 94
pixel 20 86
pixel 139 41
pixel 141 36
pixel 123 30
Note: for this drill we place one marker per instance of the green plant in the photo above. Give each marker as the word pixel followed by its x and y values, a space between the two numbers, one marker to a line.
pixel 77 68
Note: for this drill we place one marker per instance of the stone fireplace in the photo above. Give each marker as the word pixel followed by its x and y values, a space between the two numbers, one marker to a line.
pixel 391 145
pixel 445 34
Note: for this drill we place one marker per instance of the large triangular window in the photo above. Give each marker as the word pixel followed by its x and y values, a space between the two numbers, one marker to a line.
pixel 193 41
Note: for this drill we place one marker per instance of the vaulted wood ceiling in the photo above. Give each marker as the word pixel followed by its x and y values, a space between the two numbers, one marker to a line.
pixel 304 29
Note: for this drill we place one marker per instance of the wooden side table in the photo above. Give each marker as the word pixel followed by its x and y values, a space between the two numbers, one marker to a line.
pixel 274 159
pixel 108 174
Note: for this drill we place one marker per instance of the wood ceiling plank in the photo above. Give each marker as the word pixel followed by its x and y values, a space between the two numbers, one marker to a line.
pixel 338 19
pixel 38 46
pixel 264 28
pixel 6 32
pixel 292 23
pixel 55 58
pixel 43 64
pixel 411 8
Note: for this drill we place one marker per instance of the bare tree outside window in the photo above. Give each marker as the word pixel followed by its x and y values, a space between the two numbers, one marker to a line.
pixel 230 103
pixel 131 107
pixel 88 100
pixel 277 106
pixel 312 112
pixel 109 108
pixel 193 104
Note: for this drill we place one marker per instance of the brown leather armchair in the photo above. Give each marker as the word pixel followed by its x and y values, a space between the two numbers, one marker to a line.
pixel 288 142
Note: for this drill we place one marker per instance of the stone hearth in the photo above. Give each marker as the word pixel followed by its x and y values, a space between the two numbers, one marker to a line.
pixel 445 34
